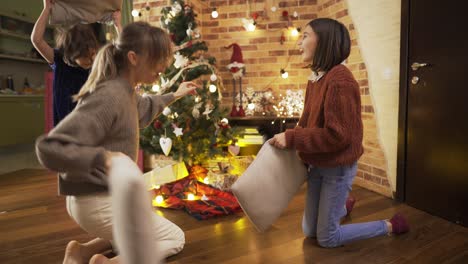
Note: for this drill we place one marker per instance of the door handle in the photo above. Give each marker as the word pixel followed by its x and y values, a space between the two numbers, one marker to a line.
pixel 416 65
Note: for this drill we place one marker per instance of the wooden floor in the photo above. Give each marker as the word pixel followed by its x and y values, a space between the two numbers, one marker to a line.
pixel 34 228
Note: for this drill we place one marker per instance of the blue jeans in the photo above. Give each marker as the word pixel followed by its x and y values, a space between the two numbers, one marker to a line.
pixel 327 190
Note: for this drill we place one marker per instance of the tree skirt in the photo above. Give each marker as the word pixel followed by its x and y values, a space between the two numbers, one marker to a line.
pixel 208 202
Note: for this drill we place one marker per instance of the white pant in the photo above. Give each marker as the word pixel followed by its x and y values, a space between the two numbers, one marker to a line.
pixel 93 213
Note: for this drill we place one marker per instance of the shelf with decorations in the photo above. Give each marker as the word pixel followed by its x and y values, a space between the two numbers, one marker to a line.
pixel 15 44
pixel 21 58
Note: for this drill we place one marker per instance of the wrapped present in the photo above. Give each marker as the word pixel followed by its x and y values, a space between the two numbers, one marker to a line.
pixel 221 180
pixel 164 171
pixel 237 164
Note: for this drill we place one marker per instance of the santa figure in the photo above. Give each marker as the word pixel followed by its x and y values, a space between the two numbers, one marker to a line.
pixel 237 66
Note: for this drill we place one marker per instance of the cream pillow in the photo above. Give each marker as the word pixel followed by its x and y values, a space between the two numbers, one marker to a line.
pixel 69 12
pixel 268 185
pixel 132 221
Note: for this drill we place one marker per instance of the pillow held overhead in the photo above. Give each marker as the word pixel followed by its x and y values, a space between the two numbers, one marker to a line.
pixel 69 12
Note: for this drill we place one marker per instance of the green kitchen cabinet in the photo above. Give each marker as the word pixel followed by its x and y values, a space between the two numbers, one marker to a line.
pixel 21 119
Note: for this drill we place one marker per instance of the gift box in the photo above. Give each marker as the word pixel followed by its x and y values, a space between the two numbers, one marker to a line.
pixel 164 171
pixel 237 164
pixel 220 180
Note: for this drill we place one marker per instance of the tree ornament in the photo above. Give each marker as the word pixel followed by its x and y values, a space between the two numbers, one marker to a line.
pixel 167 111
pixel 233 149
pixel 175 9
pixel 166 145
pixel 187 9
pixel 213 77
pixel 207 112
pixel 196 108
pixel 180 60
pixel 177 130
pixel 189 31
pixel 157 124
pixel 196 33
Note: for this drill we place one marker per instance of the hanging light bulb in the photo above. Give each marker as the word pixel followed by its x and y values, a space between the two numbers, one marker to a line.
pixel 212 88
pixel 135 13
pixel 251 106
pixel 213 77
pixel 214 13
pixel 251 27
pixel 155 88
pixel 295 32
pixel 284 74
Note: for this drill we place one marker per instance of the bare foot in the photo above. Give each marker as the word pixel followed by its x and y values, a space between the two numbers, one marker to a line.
pixel 98 259
pixel 73 253
pixel 101 259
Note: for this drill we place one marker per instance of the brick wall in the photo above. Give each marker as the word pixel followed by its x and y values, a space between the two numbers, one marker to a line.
pixel 372 167
pixel 264 56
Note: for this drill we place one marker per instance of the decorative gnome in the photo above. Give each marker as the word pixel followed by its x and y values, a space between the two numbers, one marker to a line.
pixel 237 68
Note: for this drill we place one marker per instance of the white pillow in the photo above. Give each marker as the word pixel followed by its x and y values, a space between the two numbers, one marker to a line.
pixel 69 12
pixel 268 185
pixel 132 213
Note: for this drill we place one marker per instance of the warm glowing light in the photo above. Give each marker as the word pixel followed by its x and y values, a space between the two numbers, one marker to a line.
pixel 214 13
pixel 159 199
pixel 190 197
pixel 294 32
pixel 212 88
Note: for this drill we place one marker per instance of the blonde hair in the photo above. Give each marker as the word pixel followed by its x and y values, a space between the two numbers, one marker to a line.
pixel 139 37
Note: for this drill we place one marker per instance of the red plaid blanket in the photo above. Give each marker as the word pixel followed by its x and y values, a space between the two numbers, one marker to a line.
pixel 214 203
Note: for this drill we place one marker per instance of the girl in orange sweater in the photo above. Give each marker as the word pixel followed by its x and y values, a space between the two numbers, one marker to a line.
pixel 329 138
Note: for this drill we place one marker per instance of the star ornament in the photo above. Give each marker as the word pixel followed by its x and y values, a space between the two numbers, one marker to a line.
pixel 178 131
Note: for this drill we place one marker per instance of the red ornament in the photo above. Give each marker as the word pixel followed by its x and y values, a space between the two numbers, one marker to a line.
pixel 172 37
pixel 285 13
pixel 157 124
pixel 189 44
pixel 255 15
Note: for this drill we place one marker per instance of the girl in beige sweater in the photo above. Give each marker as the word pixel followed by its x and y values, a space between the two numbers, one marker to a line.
pixel 105 124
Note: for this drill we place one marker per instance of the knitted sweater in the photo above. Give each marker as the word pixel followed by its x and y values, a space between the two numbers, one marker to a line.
pixel 329 132
pixel 106 120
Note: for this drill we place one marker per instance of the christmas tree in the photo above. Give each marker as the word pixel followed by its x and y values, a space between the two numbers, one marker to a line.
pixel 192 129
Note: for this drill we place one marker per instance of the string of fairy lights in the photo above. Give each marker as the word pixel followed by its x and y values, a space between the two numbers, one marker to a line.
pixel 290 104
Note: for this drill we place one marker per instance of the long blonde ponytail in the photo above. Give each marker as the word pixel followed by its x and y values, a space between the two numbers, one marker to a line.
pixel 140 37
pixel 104 68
